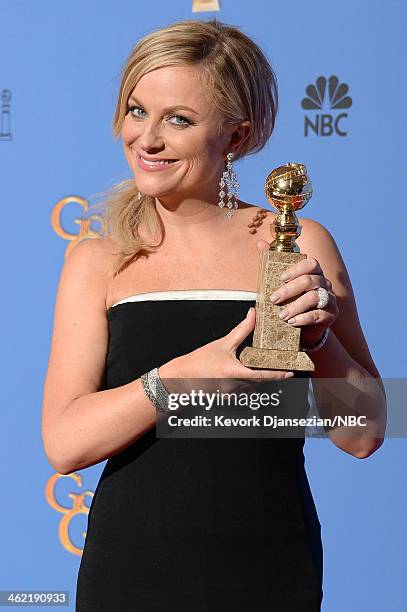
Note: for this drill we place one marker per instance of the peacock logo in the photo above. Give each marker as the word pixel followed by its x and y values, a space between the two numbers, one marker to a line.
pixel 326 93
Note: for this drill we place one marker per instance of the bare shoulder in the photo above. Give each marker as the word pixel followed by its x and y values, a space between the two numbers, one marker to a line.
pixel 89 268
pixel 257 221
pixel 101 247
pixel 98 253
pixel 316 240
pixel 310 227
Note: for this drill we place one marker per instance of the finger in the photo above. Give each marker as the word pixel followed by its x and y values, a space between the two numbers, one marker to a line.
pixel 306 266
pixel 314 317
pixel 263 375
pixel 307 301
pixel 241 331
pixel 302 284
pixel 241 372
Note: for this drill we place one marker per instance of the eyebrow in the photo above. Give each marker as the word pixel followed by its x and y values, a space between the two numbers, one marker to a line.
pixel 168 109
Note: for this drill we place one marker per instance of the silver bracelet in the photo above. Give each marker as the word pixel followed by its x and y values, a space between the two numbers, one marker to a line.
pixel 155 391
pixel 320 343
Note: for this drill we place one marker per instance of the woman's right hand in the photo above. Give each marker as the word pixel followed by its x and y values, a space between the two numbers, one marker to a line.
pixel 218 359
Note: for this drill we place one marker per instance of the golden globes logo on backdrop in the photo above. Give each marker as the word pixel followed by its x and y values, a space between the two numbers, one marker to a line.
pixel 5 115
pixel 203 6
pixel 85 229
pixel 76 507
pixel 326 124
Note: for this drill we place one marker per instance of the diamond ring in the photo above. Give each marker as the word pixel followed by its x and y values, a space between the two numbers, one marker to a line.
pixel 323 296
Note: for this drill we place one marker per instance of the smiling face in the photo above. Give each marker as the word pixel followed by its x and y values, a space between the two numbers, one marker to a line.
pixel 171 136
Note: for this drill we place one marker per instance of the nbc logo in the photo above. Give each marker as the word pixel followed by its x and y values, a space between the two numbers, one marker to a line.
pixel 326 124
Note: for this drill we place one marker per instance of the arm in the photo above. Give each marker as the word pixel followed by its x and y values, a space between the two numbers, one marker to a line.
pixel 82 426
pixel 345 356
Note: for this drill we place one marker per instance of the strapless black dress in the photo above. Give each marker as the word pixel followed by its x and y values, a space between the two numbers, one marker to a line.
pixel 196 524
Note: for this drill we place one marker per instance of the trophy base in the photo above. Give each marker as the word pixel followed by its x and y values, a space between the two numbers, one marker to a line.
pixel 275 359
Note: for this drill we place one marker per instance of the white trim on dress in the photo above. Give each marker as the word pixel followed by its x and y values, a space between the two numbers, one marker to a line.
pixel 190 294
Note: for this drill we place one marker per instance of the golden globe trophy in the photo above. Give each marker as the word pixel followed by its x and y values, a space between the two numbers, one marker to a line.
pixel 276 343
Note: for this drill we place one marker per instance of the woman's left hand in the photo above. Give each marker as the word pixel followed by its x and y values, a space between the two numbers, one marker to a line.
pixel 304 277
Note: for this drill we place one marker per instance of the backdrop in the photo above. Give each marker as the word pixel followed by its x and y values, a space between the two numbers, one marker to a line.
pixel 341 73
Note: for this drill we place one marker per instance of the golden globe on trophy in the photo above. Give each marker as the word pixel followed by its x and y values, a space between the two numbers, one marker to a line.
pixel 276 344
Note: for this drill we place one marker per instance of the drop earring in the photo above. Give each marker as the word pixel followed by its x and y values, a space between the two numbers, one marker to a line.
pixel 139 195
pixel 229 182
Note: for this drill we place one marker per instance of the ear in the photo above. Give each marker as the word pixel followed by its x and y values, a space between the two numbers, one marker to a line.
pixel 238 136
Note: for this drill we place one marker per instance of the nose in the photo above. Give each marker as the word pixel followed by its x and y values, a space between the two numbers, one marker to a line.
pixel 150 137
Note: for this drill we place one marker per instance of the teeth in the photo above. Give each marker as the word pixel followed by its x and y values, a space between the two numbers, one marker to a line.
pixel 156 163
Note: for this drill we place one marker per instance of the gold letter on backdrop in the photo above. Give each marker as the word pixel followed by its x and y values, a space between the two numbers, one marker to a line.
pixel 203 6
pixel 78 506
pixel 85 230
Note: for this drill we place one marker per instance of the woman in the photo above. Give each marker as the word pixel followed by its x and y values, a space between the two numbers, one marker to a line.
pixel 191 524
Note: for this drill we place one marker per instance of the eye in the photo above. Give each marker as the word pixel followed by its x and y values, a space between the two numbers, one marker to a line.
pixel 134 111
pixel 183 121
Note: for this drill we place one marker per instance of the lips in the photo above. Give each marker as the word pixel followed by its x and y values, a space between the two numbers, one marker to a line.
pixel 157 162
pixel 154 164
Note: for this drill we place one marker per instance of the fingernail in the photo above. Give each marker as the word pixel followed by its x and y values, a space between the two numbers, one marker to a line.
pixel 289 375
pixel 283 313
pixel 285 276
pixel 248 312
pixel 274 297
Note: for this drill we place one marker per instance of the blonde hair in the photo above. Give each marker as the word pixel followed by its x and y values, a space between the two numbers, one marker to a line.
pixel 243 86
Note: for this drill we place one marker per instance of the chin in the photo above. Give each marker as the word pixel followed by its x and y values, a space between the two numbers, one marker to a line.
pixel 154 192
pixel 158 188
